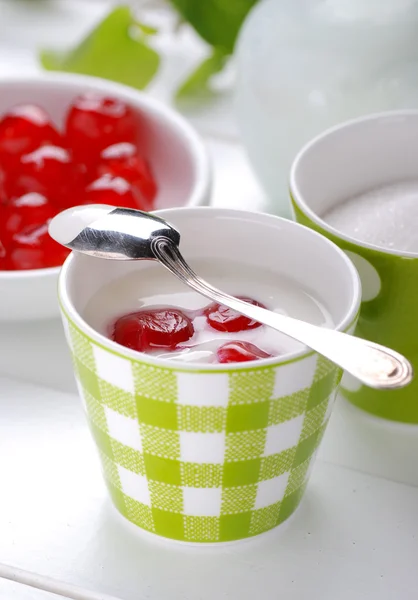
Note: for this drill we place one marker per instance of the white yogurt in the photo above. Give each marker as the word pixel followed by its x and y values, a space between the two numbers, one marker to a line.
pixel 154 287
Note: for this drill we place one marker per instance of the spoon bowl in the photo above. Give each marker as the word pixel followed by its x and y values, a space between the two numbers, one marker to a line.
pixel 113 233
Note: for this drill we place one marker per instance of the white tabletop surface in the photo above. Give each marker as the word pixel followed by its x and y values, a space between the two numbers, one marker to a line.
pixel 355 536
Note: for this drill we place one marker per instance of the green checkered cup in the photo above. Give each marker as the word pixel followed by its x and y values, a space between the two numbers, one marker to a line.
pixel 210 453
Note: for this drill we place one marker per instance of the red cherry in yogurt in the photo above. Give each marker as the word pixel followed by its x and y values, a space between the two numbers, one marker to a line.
pixel 222 318
pixel 237 351
pixel 150 329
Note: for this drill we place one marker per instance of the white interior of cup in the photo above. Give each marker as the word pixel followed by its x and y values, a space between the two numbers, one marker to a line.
pixel 252 239
pixel 352 159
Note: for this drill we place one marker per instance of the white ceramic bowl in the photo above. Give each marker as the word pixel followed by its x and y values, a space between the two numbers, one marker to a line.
pixel 176 152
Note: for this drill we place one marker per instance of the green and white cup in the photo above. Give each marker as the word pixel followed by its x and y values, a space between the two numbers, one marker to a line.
pixel 345 161
pixel 210 453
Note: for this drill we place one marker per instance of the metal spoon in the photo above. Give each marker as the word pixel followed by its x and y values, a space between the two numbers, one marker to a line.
pixel 126 234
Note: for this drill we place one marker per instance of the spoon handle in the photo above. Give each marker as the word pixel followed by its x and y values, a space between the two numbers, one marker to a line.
pixel 374 365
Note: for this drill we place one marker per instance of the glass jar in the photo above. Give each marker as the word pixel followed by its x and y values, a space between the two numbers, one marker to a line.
pixel 306 65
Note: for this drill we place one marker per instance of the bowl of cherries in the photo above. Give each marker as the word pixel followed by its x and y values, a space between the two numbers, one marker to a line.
pixel 67 140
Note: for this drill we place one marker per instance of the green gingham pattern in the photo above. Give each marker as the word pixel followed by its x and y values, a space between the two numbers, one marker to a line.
pixel 207 456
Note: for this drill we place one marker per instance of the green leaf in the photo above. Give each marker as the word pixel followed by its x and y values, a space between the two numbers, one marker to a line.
pixel 147 29
pixel 110 51
pixel 198 83
pixel 216 21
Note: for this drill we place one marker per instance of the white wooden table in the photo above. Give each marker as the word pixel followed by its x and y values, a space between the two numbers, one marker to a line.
pixel 355 536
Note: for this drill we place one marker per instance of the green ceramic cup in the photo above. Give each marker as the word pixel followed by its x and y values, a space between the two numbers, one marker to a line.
pixel 347 160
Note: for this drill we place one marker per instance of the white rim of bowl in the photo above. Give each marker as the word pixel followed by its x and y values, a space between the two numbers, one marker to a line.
pixel 298 196
pixel 203 169
pixel 69 310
